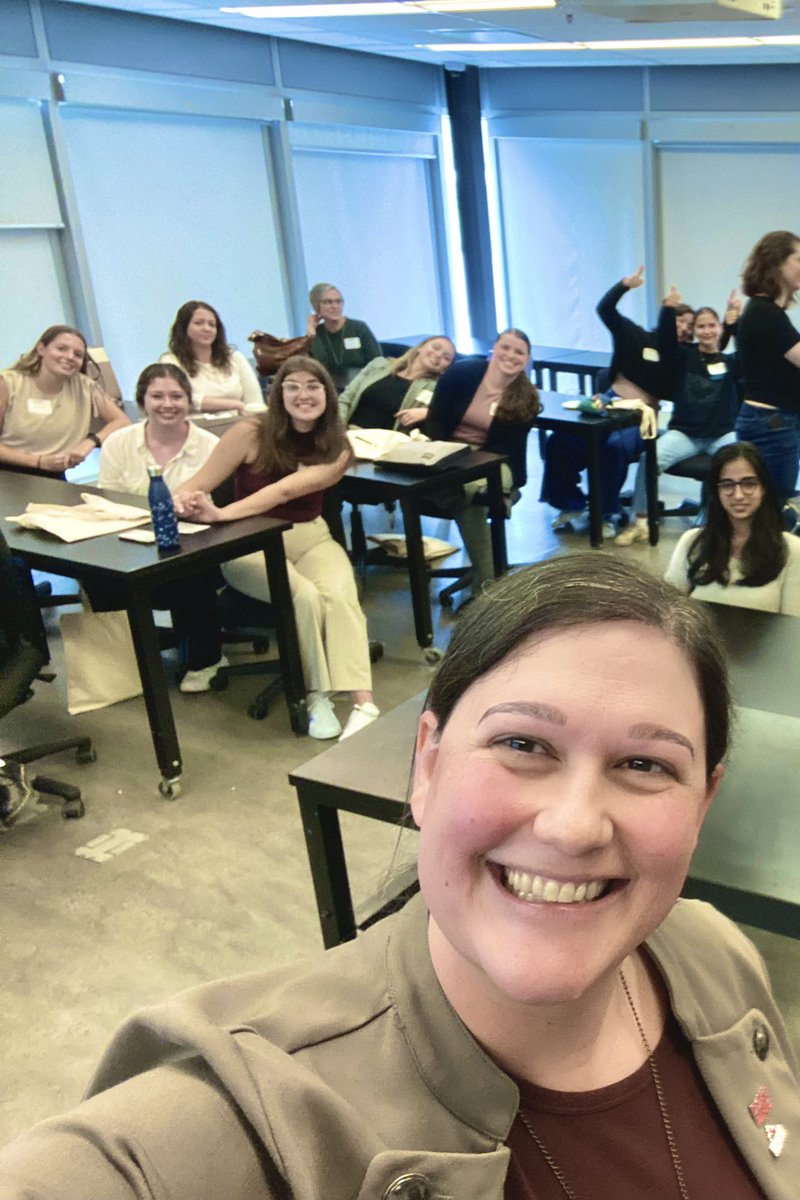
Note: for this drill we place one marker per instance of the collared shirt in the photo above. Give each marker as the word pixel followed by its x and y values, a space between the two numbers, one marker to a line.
pixel 125 458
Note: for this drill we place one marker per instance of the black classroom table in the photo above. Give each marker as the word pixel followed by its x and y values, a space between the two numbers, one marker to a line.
pixel 746 862
pixel 595 429
pixel 586 364
pixel 140 568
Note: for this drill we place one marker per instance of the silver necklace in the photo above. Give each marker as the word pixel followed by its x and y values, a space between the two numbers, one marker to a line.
pixel 677 1165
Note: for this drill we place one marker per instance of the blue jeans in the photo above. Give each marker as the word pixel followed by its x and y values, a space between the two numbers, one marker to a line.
pixel 674 447
pixel 776 435
pixel 567 454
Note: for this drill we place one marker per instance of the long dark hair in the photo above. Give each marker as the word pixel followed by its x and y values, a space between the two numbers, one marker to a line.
pixel 569 592
pixel 764 554
pixel 180 345
pixel 277 448
pixel 520 400
pixel 762 271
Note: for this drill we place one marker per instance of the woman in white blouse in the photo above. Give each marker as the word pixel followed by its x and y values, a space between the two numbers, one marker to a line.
pixel 741 556
pixel 222 379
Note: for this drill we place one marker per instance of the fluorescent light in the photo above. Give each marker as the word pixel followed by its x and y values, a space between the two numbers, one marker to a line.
pixel 785 39
pixel 381 8
pixel 468 47
pixel 720 43
pixel 711 43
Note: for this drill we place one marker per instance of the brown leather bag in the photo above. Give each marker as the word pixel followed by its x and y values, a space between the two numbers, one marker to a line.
pixel 271 352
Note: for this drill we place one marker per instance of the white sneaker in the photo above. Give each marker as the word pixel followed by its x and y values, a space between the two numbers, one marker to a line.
pixel 564 519
pixel 323 723
pixel 637 531
pixel 361 716
pixel 200 681
pixel 609 530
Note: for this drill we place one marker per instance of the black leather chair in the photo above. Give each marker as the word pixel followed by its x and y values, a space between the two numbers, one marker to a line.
pixel 697 467
pixel 23 654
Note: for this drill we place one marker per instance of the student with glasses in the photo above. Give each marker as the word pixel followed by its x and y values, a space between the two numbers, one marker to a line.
pixel 342 344
pixel 742 555
pixel 282 463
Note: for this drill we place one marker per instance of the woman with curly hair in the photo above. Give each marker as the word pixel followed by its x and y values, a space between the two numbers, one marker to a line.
pixel 222 379
pixel 769 349
pixel 741 556
pixel 282 462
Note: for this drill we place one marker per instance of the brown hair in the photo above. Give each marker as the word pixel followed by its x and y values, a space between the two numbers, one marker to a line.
pixel 571 591
pixel 29 363
pixel 520 400
pixel 161 371
pixel 762 271
pixel 276 445
pixel 181 347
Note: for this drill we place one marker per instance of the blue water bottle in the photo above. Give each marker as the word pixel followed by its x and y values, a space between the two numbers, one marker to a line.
pixel 165 523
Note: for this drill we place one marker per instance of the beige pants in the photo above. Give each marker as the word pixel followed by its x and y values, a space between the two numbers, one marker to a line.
pixel 473 526
pixel 331 628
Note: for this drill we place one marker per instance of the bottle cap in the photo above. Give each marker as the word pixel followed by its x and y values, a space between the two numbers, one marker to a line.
pixel 155 472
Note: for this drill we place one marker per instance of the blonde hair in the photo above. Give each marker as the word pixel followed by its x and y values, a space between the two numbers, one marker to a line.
pixel 410 356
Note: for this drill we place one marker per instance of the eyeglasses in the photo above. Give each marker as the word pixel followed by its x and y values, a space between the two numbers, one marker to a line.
pixel 294 389
pixel 338 301
pixel 747 486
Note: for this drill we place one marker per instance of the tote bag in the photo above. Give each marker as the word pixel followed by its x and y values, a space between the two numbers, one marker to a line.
pixel 100 660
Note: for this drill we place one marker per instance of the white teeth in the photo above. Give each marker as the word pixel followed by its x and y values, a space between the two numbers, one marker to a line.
pixel 535 887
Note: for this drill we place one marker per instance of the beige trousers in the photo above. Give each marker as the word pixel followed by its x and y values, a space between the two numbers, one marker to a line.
pixel 331 628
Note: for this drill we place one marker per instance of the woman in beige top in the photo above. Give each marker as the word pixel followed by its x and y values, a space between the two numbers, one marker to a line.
pixel 222 379
pixel 48 405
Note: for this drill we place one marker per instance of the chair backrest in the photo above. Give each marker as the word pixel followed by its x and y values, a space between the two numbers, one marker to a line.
pixel 23 641
pixel 107 379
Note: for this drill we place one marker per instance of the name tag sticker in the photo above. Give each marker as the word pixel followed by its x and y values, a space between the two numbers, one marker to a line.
pixel 40 408
pixel 352 343
pixel 424 398
pixel 493 408
pixel 717 368
pixel 649 354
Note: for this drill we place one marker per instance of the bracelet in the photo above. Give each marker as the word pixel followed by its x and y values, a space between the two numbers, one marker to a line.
pixel 94 438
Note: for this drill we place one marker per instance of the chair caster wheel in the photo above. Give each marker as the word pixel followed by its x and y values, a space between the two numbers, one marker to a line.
pixel 375 651
pixel 433 655
pixel 73 809
pixel 170 788
pixel 84 757
pixel 220 681
pixel 258 711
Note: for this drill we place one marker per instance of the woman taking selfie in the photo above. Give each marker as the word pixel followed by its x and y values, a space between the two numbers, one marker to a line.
pixel 547 1019
pixel 222 378
pixel 48 406
pixel 395 393
pixel 282 463
pixel 741 556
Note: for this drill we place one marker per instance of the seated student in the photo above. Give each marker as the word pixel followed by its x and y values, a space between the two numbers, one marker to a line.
pixel 222 378
pixel 166 438
pixel 492 406
pixel 342 344
pixel 742 555
pixel 705 400
pixel 283 462
pixel 643 366
pixel 48 405
pixel 548 1018
pixel 395 393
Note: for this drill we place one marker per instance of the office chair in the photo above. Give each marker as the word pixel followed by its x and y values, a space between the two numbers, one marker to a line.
pixel 23 654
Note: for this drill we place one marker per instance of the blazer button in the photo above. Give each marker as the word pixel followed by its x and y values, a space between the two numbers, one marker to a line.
pixel 761 1041
pixel 409 1187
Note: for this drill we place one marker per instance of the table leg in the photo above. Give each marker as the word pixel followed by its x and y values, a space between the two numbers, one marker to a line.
pixel 417 575
pixel 497 517
pixel 595 494
pixel 286 633
pixel 328 870
pixel 154 685
pixel 651 483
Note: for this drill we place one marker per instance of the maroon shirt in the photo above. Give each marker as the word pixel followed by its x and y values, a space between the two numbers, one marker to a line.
pixel 304 508
pixel 611 1142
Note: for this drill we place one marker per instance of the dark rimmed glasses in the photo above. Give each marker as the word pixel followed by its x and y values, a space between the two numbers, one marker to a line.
pixel 747 486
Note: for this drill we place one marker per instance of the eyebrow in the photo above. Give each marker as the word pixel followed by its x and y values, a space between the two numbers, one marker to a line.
pixel 660 733
pixel 528 708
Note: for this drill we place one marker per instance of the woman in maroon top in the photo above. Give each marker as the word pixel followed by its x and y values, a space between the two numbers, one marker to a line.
pixel 283 462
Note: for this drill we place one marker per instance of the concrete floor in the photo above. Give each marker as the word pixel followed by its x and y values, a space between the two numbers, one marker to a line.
pixel 221 884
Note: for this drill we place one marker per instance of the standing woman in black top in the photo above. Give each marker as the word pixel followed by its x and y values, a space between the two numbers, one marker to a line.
pixel 769 349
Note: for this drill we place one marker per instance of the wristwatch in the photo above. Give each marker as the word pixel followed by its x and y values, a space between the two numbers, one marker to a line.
pixel 94 438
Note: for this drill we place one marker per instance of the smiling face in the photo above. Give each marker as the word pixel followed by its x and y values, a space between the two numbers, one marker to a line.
pixel 304 399
pixel 435 356
pixel 740 490
pixel 202 329
pixel 707 331
pixel 559 811
pixel 63 356
pixel 166 403
pixel 510 355
pixel 683 326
